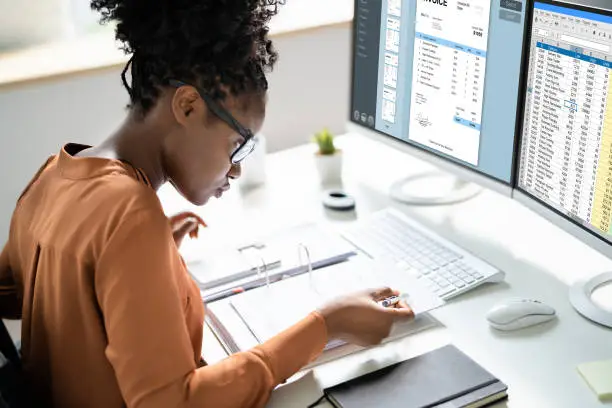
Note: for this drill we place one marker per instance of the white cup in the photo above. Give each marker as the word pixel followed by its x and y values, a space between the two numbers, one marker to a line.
pixel 254 166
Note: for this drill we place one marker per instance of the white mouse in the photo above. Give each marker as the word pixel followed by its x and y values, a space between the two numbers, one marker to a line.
pixel 518 314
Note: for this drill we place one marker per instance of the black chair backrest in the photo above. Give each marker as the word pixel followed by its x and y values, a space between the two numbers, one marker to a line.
pixel 7 347
pixel 11 380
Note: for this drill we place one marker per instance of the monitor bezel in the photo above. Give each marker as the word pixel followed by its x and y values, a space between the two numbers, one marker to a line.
pixel 458 169
pixel 524 197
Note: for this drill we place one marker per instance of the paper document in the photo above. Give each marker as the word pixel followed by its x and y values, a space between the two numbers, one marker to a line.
pixel 283 253
pixel 450 56
pixel 235 336
pixel 268 311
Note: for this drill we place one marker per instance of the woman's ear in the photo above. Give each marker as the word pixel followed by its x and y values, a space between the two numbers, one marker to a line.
pixel 185 102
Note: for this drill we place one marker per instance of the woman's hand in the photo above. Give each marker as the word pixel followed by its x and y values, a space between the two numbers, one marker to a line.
pixel 185 223
pixel 360 320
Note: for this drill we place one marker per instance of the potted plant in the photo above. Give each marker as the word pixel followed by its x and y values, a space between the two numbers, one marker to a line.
pixel 328 158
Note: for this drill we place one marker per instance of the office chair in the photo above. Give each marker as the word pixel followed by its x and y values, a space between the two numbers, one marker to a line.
pixel 11 379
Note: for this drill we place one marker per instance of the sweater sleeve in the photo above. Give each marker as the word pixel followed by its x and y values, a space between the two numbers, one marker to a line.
pixel 247 379
pixel 148 341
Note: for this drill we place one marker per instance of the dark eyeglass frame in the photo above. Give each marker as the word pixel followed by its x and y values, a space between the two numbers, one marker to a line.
pixel 248 144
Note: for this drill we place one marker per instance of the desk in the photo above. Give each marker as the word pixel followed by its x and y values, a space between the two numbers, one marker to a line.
pixel 540 260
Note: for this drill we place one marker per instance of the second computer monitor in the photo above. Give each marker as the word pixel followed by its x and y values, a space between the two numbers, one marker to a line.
pixel 565 169
pixel 442 76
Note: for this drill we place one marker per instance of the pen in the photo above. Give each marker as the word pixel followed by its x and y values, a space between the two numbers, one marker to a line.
pixel 390 301
pixel 222 295
pixel 240 289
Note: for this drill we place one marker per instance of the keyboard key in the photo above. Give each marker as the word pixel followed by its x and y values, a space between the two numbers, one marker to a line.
pixel 445 291
pixel 460 284
pixel 468 280
pixel 455 270
pixel 437 258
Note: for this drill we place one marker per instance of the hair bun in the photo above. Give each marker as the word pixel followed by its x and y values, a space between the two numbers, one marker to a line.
pixel 209 42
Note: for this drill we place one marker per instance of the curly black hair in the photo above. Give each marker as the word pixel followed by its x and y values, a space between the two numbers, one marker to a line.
pixel 214 44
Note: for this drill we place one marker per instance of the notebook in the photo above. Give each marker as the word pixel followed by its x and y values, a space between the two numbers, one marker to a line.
pixel 443 378
pixel 282 254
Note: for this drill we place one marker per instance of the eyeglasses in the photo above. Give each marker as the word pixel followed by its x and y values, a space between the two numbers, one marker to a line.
pixel 248 144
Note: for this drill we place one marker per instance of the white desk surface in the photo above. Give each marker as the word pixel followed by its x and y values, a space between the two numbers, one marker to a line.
pixel 538 364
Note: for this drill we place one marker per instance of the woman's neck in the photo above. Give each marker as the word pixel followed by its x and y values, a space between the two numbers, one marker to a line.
pixel 139 142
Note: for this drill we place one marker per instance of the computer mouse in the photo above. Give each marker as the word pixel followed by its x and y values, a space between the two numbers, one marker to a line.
pixel 518 314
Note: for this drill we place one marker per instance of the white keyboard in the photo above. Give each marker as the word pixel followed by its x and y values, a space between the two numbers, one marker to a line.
pixel 447 269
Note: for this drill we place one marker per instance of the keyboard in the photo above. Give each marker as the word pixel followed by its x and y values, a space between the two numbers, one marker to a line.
pixel 447 269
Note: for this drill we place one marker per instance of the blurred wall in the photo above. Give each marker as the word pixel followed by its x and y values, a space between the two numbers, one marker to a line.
pixel 309 89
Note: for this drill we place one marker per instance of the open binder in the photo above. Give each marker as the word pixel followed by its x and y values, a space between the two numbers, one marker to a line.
pixel 248 319
pixel 269 258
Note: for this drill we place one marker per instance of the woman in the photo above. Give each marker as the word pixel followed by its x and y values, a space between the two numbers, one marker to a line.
pixel 110 315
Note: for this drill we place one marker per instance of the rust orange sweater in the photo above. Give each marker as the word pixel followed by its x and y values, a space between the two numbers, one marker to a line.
pixel 110 315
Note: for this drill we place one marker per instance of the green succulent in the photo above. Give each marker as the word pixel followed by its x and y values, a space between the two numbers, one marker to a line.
pixel 325 140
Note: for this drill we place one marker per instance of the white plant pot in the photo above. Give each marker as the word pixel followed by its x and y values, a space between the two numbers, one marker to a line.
pixel 28 22
pixel 329 167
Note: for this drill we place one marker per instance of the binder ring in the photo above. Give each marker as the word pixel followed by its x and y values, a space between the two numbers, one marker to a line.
pixel 263 266
pixel 303 249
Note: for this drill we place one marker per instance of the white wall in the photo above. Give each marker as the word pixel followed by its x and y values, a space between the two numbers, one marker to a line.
pixel 309 89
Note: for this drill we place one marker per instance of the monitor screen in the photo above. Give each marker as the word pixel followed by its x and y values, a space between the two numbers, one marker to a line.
pixel 442 75
pixel 566 145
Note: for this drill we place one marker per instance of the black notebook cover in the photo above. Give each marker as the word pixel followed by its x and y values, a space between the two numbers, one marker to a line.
pixel 444 377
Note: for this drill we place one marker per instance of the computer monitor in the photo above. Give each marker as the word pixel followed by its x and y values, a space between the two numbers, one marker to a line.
pixel 565 164
pixel 440 79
